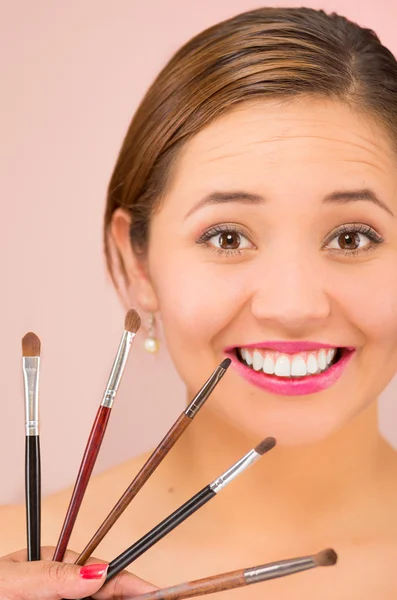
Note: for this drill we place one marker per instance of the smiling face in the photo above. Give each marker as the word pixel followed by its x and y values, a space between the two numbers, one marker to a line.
pixel 277 238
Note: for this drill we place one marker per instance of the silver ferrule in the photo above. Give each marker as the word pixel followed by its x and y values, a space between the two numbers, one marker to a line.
pixel 31 370
pixel 278 569
pixel 249 459
pixel 205 391
pixel 117 369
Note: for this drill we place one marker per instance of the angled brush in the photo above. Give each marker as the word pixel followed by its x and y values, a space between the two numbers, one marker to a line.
pixel 155 459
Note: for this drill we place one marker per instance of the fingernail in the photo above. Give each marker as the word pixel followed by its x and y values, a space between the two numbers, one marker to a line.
pixel 93 571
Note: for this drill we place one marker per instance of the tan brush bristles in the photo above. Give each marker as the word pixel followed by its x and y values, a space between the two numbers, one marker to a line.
pixel 132 321
pixel 326 558
pixel 266 445
pixel 31 345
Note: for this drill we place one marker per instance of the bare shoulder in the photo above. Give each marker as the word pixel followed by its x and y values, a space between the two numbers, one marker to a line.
pixel 103 491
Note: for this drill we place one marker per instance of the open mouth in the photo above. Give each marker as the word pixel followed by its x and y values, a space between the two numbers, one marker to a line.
pixel 286 373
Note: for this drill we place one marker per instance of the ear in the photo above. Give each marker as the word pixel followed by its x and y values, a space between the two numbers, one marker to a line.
pixel 140 287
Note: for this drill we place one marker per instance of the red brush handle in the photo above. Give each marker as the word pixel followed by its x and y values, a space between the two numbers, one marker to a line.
pixel 83 477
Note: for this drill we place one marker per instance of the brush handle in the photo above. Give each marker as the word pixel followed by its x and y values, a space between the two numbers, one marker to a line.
pixel 200 587
pixel 157 533
pixel 87 465
pixel 148 468
pixel 33 496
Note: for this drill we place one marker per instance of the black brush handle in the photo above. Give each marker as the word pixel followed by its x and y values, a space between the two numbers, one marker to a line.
pixel 149 539
pixel 157 533
pixel 33 496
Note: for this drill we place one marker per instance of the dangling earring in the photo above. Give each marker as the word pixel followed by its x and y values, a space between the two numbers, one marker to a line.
pixel 151 343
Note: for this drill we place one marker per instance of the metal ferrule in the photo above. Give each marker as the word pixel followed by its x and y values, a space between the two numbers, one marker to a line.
pixel 31 370
pixel 278 569
pixel 117 369
pixel 205 391
pixel 249 459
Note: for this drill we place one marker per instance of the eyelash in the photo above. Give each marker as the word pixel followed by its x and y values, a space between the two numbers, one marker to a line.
pixel 361 228
pixel 219 230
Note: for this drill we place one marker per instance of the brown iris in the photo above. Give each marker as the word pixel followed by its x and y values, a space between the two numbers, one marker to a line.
pixel 349 241
pixel 229 240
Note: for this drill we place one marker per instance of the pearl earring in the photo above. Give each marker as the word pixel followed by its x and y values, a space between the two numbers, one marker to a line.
pixel 151 343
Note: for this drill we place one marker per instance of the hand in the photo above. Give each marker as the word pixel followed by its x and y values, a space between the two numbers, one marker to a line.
pixel 46 580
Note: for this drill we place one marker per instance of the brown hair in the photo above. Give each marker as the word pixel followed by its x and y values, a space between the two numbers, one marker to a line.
pixel 265 53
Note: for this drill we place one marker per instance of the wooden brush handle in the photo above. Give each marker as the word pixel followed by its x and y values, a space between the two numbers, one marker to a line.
pixel 148 468
pixel 209 585
pixel 83 477
pixel 33 496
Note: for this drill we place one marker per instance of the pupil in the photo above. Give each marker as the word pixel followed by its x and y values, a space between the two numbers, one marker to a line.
pixel 229 241
pixel 349 241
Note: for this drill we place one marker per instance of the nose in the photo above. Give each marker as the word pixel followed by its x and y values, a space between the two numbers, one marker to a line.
pixel 291 293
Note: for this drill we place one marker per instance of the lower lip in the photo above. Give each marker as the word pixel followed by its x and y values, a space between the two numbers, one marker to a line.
pixel 297 386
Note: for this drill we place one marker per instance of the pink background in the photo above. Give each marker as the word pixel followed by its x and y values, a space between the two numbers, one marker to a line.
pixel 72 74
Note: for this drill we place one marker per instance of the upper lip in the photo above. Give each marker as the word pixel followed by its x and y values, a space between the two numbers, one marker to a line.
pixel 290 347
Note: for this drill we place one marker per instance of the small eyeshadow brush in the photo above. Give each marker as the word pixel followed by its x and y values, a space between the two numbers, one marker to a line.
pixel 183 512
pixel 242 577
pixel 131 326
pixel 155 459
pixel 31 347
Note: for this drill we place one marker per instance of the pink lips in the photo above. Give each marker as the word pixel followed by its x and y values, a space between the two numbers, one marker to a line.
pixel 297 386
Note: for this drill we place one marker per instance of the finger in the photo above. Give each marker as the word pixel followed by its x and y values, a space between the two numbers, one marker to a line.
pixel 125 585
pixel 45 580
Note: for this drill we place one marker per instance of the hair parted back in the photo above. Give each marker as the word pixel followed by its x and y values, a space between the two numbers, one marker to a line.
pixel 265 53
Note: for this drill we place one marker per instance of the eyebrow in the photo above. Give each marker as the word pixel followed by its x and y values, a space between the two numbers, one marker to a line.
pixel 344 197
pixel 339 197
pixel 225 197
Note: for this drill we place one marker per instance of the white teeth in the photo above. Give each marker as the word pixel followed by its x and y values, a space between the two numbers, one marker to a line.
pixel 268 365
pixel 257 361
pixel 283 366
pixel 330 355
pixel 312 366
pixel 298 367
pixel 322 361
pixel 288 365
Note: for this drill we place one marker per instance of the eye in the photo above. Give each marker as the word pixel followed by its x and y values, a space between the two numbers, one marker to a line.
pixel 225 239
pixel 353 238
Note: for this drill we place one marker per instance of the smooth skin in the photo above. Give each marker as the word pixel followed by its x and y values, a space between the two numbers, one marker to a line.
pixel 332 480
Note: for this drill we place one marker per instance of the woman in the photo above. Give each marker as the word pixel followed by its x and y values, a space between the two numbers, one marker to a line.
pixel 253 208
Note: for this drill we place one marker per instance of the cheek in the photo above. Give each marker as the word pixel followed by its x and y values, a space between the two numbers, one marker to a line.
pixel 368 297
pixel 197 299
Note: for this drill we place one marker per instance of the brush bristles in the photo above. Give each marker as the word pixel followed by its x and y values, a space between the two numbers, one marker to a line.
pixel 225 364
pixel 326 558
pixel 266 445
pixel 31 345
pixel 132 321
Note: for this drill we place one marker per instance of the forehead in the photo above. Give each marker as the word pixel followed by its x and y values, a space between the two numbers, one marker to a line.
pixel 264 139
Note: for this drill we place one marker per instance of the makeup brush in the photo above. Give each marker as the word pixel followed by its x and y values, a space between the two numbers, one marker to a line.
pixel 155 459
pixel 131 326
pixel 242 577
pixel 31 372
pixel 183 512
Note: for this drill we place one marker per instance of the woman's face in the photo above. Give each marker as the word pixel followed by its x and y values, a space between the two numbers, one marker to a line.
pixel 276 245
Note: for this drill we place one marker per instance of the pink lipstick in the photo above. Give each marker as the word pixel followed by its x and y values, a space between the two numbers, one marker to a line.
pixel 292 386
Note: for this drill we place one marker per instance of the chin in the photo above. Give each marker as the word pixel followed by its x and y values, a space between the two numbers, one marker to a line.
pixel 302 421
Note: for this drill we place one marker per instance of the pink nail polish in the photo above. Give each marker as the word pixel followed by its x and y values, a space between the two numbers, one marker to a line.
pixel 93 571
